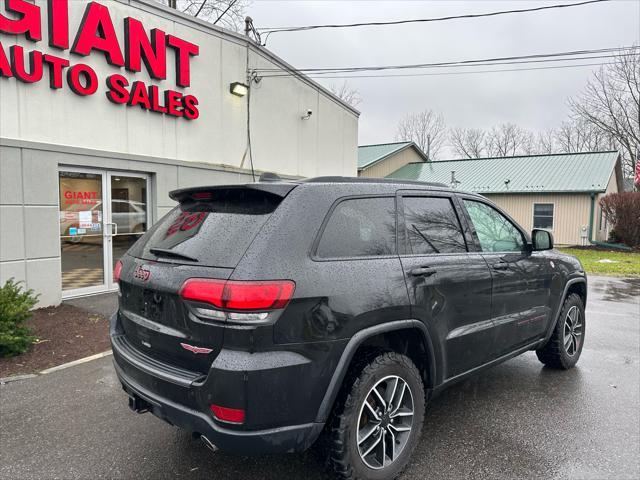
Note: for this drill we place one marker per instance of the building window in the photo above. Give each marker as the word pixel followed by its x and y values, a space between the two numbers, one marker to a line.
pixel 543 215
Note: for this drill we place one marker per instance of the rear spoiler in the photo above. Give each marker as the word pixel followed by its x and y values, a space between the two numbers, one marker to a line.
pixel 279 189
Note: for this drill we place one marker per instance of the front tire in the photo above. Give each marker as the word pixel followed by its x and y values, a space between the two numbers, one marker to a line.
pixel 563 349
pixel 377 420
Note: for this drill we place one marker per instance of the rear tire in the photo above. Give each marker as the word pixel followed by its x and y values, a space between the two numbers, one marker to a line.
pixel 563 349
pixel 377 419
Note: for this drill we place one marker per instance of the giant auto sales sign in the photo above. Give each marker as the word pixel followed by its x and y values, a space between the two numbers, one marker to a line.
pixel 96 35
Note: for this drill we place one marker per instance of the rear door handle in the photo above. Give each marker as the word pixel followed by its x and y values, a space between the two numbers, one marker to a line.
pixel 500 266
pixel 422 271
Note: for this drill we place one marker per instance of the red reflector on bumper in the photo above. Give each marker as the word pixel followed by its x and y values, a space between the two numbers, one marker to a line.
pixel 225 414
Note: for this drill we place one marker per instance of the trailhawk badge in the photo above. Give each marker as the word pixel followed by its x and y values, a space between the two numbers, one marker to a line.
pixel 196 350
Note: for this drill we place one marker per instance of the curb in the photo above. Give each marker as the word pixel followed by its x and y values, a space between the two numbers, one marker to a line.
pixel 16 378
pixel 75 362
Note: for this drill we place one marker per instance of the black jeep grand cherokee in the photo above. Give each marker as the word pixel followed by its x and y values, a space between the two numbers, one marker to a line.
pixel 265 316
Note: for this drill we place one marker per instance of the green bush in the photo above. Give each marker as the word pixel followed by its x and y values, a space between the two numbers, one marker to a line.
pixel 15 309
pixel 613 237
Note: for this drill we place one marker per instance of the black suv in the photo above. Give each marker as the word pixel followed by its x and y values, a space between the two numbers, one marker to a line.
pixel 263 317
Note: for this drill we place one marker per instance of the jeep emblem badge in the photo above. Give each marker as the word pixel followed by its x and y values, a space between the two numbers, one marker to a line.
pixel 141 273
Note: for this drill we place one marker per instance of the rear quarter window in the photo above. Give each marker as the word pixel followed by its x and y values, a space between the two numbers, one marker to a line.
pixel 216 232
pixel 360 227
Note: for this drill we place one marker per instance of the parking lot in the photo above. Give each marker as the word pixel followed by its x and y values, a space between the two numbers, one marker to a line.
pixel 517 420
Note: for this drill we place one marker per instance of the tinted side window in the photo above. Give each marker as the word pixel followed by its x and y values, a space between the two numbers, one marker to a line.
pixel 495 232
pixel 360 227
pixel 432 226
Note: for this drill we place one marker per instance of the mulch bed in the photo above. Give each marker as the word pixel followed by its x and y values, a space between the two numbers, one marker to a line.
pixel 597 248
pixel 65 333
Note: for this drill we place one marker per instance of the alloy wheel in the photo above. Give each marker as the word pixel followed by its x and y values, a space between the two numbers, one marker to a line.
pixel 385 422
pixel 572 331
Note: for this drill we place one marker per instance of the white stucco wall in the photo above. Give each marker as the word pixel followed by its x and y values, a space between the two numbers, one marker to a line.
pixel 326 144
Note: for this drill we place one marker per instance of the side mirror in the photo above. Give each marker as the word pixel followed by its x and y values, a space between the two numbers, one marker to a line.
pixel 541 240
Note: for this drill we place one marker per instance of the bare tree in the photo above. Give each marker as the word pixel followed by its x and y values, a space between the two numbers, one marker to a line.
pixel 546 142
pixel 507 140
pixel 467 142
pixel 347 94
pixel 228 14
pixel 611 102
pixel 578 135
pixel 426 129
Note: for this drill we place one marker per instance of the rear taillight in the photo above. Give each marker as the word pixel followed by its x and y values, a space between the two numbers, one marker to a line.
pixel 117 270
pixel 243 296
pixel 229 415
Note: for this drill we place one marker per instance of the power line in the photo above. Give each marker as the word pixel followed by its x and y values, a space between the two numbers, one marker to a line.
pixel 576 55
pixel 436 74
pixel 270 30
pixel 488 64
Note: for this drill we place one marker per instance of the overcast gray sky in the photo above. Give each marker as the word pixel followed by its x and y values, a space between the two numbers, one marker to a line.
pixel 532 99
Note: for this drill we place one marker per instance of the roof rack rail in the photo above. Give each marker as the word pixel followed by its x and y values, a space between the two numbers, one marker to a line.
pixel 336 179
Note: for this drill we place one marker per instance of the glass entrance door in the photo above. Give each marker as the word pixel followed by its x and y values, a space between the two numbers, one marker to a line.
pixel 127 215
pixel 101 215
pixel 81 231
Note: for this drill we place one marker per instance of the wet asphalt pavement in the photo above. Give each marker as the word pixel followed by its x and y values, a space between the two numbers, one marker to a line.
pixel 517 420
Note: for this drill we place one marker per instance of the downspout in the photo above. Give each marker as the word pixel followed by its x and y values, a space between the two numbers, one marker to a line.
pixel 613 246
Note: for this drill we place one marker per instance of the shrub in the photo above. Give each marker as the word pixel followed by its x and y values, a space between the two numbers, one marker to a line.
pixel 15 309
pixel 613 237
pixel 623 211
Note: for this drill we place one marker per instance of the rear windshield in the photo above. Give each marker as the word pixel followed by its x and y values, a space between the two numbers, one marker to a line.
pixel 213 232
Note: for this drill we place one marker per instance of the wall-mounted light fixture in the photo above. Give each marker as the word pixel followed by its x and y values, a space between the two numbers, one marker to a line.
pixel 238 89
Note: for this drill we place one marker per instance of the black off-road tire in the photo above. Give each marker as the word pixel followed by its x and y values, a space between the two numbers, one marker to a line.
pixel 554 353
pixel 340 436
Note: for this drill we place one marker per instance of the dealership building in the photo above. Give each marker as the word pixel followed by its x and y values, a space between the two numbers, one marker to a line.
pixel 107 106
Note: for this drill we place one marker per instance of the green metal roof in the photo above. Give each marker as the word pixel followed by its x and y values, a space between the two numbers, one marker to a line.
pixel 571 172
pixel 370 154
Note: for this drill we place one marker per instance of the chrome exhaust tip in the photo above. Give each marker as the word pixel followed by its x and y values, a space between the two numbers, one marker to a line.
pixel 208 443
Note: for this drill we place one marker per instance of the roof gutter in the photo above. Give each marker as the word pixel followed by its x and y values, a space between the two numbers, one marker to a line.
pixel 614 246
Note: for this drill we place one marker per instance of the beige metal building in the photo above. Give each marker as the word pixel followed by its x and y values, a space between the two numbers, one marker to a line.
pixel 560 193
pixel 382 159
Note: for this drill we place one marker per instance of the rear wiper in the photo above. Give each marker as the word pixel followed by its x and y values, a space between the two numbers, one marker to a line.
pixel 165 252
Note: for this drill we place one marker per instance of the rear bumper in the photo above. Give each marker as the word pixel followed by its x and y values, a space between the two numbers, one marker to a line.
pixel 277 440
pixel 279 391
